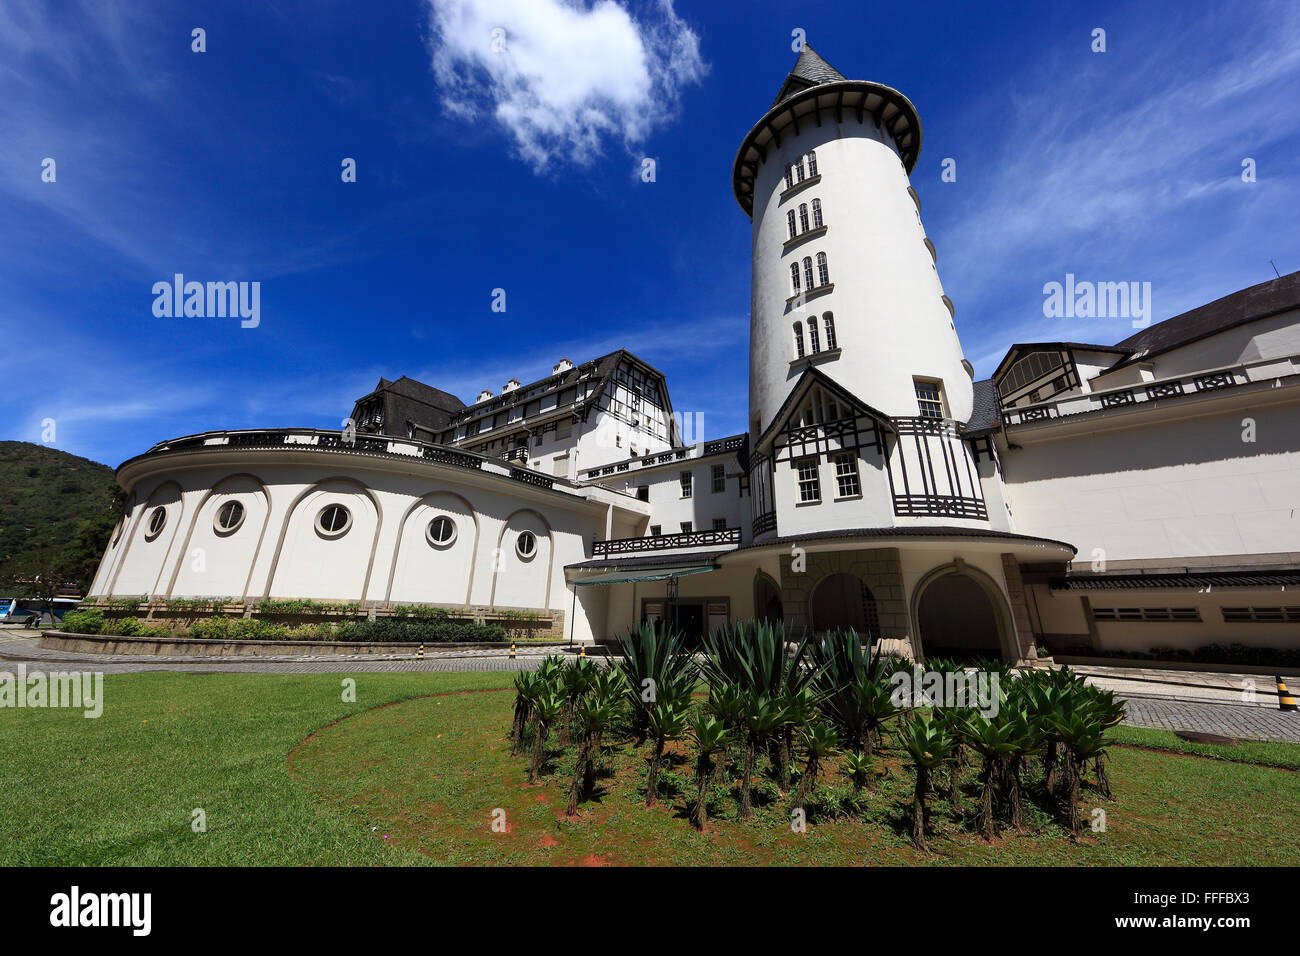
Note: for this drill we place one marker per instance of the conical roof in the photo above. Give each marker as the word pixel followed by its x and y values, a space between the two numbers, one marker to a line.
pixel 809 70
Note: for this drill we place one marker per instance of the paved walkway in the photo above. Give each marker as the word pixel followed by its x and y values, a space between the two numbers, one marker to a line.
pixel 1172 700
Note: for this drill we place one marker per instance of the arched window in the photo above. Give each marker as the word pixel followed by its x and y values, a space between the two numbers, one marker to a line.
pixel 812 163
pixel 828 324
pixel 798 169
pixel 794 276
pixel 803 217
pixel 817 213
pixel 798 340
pixel 823 274
pixel 789 177
pixel 789 218
pixel 807 271
pixel 813 342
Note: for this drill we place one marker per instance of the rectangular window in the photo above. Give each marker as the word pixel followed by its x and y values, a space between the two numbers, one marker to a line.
pixel 846 475
pixel 686 484
pixel 1154 614
pixel 719 524
pixel 563 429
pixel 719 478
pixel 656 530
pixel 643 492
pixel 809 485
pixel 1262 615
pixel 686 527
pixel 928 399
pixel 560 467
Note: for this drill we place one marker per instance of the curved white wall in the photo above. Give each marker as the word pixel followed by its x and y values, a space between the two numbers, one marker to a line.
pixel 891 322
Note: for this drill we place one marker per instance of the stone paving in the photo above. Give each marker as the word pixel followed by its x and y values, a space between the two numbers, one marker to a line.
pixel 1171 700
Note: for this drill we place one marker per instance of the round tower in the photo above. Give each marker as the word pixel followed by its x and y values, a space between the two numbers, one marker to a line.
pixel 844 278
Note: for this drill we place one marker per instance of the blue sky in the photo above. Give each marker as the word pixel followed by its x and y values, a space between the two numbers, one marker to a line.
pixel 478 170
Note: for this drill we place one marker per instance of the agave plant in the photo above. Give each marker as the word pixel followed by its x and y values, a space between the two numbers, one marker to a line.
pixel 1107 711
pixel 576 679
pixel 607 688
pixel 755 657
pixel 927 742
pixel 820 740
pixel 656 665
pixel 859 768
pixel 763 716
pixel 800 708
pixel 667 721
pixel 854 694
pixel 548 707
pixel 710 735
pixel 726 702
pixel 1000 740
pixel 594 714
pixel 527 689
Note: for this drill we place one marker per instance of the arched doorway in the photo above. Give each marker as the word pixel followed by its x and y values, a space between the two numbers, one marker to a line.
pixel 767 600
pixel 842 601
pixel 957 618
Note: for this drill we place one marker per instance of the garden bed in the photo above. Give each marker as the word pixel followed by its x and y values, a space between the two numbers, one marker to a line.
pixel 204 647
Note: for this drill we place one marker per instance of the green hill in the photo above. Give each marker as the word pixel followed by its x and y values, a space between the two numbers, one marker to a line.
pixel 56 513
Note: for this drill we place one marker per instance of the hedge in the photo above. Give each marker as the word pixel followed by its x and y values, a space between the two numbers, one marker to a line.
pixel 433 630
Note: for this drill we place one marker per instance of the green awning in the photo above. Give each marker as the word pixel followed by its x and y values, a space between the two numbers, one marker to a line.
pixel 629 575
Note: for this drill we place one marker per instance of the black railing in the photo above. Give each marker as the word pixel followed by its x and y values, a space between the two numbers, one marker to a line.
pixel 667 542
pixel 764 523
pixel 948 505
pixel 532 478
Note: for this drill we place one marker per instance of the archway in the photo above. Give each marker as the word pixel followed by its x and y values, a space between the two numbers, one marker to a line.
pixel 843 601
pixel 957 618
pixel 767 600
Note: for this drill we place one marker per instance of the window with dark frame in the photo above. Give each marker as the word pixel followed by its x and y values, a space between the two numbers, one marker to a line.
pixel 847 482
pixel 687 484
pixel 719 478
pixel 928 399
pixel 809 484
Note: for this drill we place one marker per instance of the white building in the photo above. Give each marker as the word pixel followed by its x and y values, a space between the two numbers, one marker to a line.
pixel 1110 497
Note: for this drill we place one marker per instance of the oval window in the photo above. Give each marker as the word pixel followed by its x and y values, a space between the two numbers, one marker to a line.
pixel 229 517
pixel 526 544
pixel 441 531
pixel 333 521
pixel 157 521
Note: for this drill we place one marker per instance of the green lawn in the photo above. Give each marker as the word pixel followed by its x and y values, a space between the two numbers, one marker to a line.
pixel 426 774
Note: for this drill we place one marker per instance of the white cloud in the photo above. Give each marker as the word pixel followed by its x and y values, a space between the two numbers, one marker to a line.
pixel 561 77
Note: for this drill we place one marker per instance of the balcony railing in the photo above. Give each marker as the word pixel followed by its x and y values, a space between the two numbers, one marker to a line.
pixel 1175 388
pixel 736 443
pixel 666 542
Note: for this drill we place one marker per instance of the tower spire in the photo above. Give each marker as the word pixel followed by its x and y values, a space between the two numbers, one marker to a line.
pixel 809 70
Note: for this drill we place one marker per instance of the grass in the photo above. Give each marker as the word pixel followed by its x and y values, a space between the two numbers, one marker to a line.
pixel 286 779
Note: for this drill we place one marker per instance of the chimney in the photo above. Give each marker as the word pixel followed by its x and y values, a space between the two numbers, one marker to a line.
pixel 563 365
pixel 483 396
pixel 510 386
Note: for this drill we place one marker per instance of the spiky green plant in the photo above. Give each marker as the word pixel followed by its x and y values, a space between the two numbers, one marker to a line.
pixel 548 707
pixel 927 742
pixel 710 734
pixel 656 665
pixel 763 716
pixel 594 714
pixel 855 695
pixel 820 740
pixel 667 721
pixel 859 768
pixel 527 689
pixel 576 679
